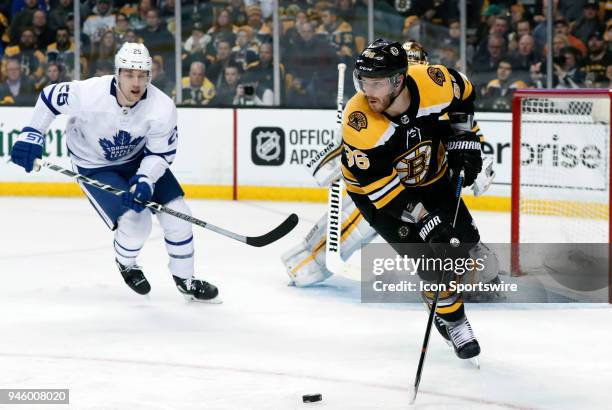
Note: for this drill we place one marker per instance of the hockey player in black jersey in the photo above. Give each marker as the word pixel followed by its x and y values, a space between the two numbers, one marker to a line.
pixel 399 159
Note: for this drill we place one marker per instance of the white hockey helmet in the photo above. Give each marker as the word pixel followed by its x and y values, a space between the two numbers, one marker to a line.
pixel 133 56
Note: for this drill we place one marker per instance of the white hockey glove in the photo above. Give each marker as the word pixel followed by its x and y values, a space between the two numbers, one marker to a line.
pixel 328 173
pixel 484 178
pixel 324 169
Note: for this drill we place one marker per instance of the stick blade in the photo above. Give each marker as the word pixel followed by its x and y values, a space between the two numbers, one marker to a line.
pixel 281 230
pixel 413 394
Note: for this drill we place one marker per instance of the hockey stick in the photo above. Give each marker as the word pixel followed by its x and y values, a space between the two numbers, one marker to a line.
pixel 275 234
pixel 434 303
pixel 333 260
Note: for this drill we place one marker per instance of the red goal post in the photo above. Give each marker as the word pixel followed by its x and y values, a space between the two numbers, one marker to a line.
pixel 566 185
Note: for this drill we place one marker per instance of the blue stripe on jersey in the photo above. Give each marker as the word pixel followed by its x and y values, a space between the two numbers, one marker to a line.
pixel 185 242
pixel 47 100
pixel 161 154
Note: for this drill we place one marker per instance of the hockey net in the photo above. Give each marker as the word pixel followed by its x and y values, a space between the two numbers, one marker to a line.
pixel 561 178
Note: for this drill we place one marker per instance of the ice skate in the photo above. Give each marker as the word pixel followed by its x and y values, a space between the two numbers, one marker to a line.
pixel 462 337
pixel 197 290
pixel 134 278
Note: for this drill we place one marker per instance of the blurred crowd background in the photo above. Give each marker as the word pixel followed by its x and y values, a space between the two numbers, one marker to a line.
pixel 227 56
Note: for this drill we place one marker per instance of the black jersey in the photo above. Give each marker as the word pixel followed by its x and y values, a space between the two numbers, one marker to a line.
pixel 389 162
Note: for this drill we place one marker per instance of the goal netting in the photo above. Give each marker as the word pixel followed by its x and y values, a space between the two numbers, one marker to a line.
pixel 561 177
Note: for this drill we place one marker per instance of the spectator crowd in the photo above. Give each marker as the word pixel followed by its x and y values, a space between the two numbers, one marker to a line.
pixel 226 57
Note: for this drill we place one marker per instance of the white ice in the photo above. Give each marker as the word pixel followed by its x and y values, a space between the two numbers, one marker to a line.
pixel 67 320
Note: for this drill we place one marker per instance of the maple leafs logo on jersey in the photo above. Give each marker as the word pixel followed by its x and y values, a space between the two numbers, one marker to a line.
pixel 121 145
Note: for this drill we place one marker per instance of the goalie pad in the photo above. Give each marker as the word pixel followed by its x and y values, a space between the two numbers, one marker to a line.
pixel 305 263
pixel 488 275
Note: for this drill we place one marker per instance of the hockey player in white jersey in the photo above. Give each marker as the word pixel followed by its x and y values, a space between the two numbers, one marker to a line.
pixel 122 131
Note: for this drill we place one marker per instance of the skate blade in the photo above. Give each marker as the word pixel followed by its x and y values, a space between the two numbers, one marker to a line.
pixel 214 301
pixel 474 360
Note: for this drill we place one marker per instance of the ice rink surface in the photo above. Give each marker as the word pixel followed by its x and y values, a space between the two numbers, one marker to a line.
pixel 67 320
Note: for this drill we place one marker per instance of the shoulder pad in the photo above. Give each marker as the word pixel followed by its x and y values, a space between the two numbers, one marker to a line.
pixel 363 128
pixel 435 87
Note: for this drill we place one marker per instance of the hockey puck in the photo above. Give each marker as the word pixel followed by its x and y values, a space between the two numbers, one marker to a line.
pixel 311 398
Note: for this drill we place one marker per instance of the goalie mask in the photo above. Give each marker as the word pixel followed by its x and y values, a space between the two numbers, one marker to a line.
pixel 381 60
pixel 415 53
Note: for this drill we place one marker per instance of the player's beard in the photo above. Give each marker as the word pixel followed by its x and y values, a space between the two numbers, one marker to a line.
pixel 379 105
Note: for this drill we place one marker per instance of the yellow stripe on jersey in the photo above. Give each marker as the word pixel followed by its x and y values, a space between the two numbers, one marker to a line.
pixel 352 185
pixel 378 184
pixel 361 127
pixel 435 88
pixel 380 192
pixel 348 175
pixel 388 197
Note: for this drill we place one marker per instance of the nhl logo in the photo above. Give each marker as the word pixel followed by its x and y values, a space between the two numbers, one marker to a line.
pixel 405 119
pixel 268 146
pixel 394 51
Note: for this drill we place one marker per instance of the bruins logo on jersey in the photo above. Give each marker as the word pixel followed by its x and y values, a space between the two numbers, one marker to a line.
pixel 436 75
pixel 413 166
pixel 358 120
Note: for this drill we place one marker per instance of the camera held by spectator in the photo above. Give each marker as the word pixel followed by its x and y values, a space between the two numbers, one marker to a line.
pixel 250 93
pixel 246 94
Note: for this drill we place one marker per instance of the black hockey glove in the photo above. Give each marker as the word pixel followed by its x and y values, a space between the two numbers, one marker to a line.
pixel 463 151
pixel 436 229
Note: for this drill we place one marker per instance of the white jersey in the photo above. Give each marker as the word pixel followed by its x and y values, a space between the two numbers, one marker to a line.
pixel 101 133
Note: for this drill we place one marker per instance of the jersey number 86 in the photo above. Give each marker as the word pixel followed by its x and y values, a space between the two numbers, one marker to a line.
pixel 356 157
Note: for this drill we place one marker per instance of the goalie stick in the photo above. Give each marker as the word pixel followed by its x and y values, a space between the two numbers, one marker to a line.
pixel 333 260
pixel 275 234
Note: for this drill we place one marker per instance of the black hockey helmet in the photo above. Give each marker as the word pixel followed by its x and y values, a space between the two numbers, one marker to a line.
pixel 382 58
